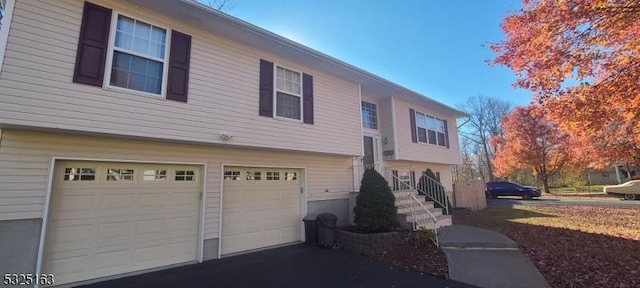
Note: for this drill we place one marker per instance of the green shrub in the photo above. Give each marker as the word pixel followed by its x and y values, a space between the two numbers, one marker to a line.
pixel 375 209
pixel 423 236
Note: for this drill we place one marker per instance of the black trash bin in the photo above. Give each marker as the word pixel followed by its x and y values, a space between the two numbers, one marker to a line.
pixel 326 229
pixel 310 229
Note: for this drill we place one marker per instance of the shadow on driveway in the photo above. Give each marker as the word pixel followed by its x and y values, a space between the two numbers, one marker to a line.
pixel 292 266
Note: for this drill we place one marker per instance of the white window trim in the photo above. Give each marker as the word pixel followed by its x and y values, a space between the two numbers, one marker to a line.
pixel 275 93
pixel 109 61
pixel 377 122
pixel 4 32
pixel 435 130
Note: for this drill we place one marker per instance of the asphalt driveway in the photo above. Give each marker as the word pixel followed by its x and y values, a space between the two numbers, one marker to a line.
pixel 292 266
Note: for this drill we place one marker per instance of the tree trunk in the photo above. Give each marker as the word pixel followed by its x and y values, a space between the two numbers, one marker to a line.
pixel 488 157
pixel 545 183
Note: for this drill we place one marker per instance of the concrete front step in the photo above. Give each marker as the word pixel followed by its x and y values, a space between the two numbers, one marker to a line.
pixel 407 199
pixel 425 223
pixel 404 202
pixel 409 202
pixel 420 218
pixel 443 220
pixel 406 209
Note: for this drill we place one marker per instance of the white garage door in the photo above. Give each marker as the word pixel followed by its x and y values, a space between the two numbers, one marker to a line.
pixel 261 208
pixel 110 218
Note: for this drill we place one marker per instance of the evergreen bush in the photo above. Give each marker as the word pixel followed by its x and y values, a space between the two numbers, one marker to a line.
pixel 375 209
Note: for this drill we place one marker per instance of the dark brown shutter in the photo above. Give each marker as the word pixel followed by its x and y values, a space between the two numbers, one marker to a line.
pixel 412 117
pixel 179 59
pixel 266 88
pixel 307 98
pixel 446 133
pixel 395 179
pixel 92 45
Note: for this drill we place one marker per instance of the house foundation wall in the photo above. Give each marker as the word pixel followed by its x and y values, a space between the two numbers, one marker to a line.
pixel 19 245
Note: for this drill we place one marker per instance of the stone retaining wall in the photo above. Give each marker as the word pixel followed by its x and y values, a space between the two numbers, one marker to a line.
pixel 366 244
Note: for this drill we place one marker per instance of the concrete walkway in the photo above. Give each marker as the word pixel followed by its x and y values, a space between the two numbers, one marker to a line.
pixel 487 259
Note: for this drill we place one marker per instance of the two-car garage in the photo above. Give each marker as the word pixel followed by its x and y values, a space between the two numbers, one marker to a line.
pixel 110 218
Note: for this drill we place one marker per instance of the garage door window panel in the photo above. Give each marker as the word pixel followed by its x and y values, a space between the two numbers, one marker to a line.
pixel 273 175
pixel 154 175
pixel 79 174
pixel 120 174
pixel 185 175
pixel 232 175
pixel 254 175
pixel 290 176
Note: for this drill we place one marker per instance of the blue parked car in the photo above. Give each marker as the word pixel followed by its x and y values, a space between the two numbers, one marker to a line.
pixel 501 188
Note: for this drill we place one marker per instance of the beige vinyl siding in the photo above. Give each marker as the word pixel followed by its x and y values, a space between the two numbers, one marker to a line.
pixel 22 191
pixel 407 150
pixel 386 126
pixel 419 167
pixel 37 87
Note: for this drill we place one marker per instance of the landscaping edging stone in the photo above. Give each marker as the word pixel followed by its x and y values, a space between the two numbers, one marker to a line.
pixel 367 244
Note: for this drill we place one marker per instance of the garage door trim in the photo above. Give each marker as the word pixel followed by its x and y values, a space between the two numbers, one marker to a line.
pixel 47 199
pixel 303 196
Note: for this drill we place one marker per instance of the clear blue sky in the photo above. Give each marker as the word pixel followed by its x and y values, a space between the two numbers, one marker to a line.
pixel 433 47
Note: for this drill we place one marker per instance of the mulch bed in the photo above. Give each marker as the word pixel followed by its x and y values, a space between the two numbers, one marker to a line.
pixel 421 256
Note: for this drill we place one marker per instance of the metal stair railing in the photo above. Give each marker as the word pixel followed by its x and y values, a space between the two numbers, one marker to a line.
pixel 415 206
pixel 434 190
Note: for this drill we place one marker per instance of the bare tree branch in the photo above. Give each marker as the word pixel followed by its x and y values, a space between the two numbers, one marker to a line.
pixel 221 5
pixel 484 123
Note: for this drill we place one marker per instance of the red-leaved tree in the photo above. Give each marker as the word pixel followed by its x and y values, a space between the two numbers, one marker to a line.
pixel 581 58
pixel 532 142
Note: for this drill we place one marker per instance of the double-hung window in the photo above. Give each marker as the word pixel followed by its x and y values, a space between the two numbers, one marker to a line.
pixel 123 53
pixel 284 93
pixel 369 115
pixel 288 100
pixel 430 129
pixel 440 132
pixel 421 124
pixel 139 56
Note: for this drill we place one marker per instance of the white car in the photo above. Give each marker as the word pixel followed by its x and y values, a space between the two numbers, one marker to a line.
pixel 630 189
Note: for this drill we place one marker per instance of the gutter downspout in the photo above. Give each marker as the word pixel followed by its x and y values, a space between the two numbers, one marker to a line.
pixel 465 122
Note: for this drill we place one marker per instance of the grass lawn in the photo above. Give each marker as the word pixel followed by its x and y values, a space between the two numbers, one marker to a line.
pixel 573 246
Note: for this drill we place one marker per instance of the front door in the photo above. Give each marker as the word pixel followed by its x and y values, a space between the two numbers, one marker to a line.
pixel 369 158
